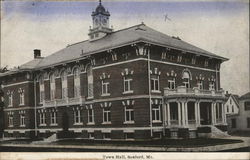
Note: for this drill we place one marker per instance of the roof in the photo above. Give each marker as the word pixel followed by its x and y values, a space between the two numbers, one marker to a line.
pixel 245 96
pixel 235 98
pixel 137 33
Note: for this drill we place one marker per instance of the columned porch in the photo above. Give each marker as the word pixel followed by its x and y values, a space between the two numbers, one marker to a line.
pixel 189 113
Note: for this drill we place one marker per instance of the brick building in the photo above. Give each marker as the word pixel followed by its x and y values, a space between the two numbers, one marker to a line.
pixel 134 83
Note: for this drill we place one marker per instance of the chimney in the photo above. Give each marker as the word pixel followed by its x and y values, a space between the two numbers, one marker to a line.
pixel 37 53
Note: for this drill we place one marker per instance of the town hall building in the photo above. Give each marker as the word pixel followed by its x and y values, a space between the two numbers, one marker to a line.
pixel 133 83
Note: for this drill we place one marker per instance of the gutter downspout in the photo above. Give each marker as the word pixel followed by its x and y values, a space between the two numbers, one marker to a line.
pixel 149 92
pixel 35 108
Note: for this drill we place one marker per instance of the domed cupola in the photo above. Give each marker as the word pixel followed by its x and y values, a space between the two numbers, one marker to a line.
pixel 100 18
pixel 100 10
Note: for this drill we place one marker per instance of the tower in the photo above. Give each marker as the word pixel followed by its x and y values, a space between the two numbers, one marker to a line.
pixel 100 18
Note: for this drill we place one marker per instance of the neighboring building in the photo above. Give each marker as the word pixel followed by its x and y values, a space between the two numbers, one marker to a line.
pixel 232 104
pixel 134 83
pixel 241 121
pixel 1 111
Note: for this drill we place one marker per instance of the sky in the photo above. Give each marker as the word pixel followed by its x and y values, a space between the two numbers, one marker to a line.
pixel 218 26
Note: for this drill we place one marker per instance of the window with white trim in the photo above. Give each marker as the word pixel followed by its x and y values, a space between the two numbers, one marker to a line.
pixel 77 117
pixel 90 116
pixel 127 84
pixel 129 114
pixel 186 79
pixel 10 100
pixel 53 120
pixel 200 84
pixel 171 83
pixel 105 87
pixel 211 85
pixel 21 98
pixel 76 82
pixel 155 86
pixel 106 115
pixel 52 86
pixel 90 81
pixel 64 84
pixel 42 118
pixel 41 89
pixel 22 120
pixel 156 115
pixel 10 120
pixel 41 96
pixel 106 136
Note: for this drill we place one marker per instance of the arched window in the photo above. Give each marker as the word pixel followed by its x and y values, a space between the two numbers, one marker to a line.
pixel 90 81
pixel 76 82
pixel 64 84
pixel 52 86
pixel 41 88
pixel 186 79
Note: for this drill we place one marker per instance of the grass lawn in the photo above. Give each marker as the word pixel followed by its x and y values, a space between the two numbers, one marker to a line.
pixel 198 142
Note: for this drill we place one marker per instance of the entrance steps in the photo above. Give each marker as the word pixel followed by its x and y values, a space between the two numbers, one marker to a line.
pixel 217 133
pixel 52 138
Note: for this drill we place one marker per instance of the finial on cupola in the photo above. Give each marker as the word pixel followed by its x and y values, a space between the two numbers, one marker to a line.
pixel 100 1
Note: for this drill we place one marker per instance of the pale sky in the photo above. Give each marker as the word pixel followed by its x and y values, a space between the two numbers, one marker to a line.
pixel 218 26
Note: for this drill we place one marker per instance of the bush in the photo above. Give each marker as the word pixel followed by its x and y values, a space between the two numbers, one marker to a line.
pixel 183 133
pixel 204 130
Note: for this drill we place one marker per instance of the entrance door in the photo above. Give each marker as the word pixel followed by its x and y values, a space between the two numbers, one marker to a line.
pixel 65 121
pixel 205 113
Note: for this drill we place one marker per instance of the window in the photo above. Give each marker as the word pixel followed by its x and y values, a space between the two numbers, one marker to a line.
pixel 248 122
pixel 22 120
pixel 42 119
pixel 200 85
pixel 233 121
pixel 156 113
pixel 155 83
pixel 186 79
pixel 211 85
pixel 129 114
pixel 53 116
pixel 90 116
pixel 91 135
pixel 64 84
pixel 90 81
pixel 52 87
pixel 10 120
pixel 105 88
pixel 77 117
pixel 41 96
pixel 106 115
pixel 76 82
pixel 227 109
pixel 127 84
pixel 129 135
pixel 171 84
pixel 21 98
pixel 10 100
pixel 247 106
pixel 232 109
pixel 106 136
pixel 41 89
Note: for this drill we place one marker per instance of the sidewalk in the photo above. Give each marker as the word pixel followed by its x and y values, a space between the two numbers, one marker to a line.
pixel 246 143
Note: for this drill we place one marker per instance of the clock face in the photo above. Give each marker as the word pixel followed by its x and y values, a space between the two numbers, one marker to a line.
pixel 96 22
pixel 104 21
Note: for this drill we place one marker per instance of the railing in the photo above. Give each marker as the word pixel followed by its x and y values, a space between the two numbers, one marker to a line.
pixel 64 102
pixel 182 90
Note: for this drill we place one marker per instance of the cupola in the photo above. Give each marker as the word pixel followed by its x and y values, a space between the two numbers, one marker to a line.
pixel 100 18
